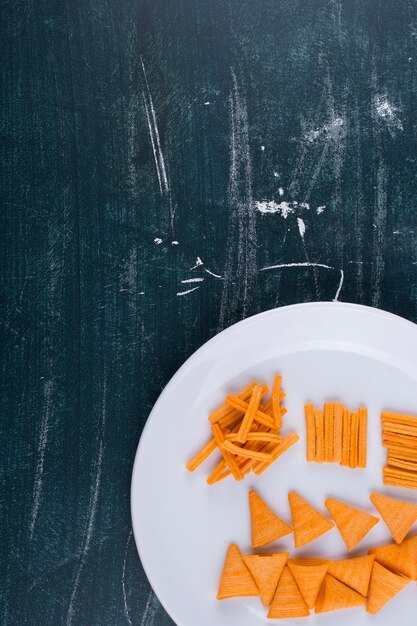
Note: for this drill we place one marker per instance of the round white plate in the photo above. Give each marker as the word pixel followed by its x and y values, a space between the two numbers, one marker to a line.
pixel 182 527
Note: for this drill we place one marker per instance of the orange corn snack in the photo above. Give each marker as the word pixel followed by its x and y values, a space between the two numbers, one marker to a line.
pixel 201 456
pixel 266 570
pixel 401 558
pixel 334 595
pixel 355 573
pixel 345 438
pixel 266 525
pixel 308 523
pixel 250 413
pixel 398 516
pixel 228 457
pixel 338 431
pixel 285 444
pixel 311 432
pixel 217 472
pixel 398 418
pixel 224 409
pixel 246 452
pixel 354 437
pixel 353 524
pixel 236 579
pixel 288 601
pixel 240 405
pixel 308 574
pixel 362 437
pixel 276 399
pixel 383 587
pixel 328 432
pixel 319 423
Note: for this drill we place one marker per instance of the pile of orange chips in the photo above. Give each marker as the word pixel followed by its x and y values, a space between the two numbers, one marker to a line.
pixel 336 435
pixel 246 432
pixel 399 436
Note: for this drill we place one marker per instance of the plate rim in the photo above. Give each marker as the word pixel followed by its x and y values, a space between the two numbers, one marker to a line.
pixel 189 362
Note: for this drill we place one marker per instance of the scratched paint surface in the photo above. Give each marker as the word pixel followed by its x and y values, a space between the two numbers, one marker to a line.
pixel 169 168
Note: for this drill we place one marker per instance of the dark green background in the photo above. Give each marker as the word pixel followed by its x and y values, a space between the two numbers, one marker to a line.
pixel 243 97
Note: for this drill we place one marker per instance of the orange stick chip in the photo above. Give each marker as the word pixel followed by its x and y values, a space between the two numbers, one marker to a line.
pixel 319 423
pixel 346 438
pixel 338 431
pixel 308 523
pixel 334 595
pixel 201 456
pixel 266 525
pixel 353 524
pixel 288 601
pixel 228 457
pixel 225 409
pixel 246 452
pixel 362 437
pixel 285 444
pixel 266 570
pixel 355 573
pixel 383 587
pixel 311 432
pixel 236 579
pixel 250 413
pixel 276 399
pixel 260 417
pixel 328 432
pixel 354 432
pixel 399 516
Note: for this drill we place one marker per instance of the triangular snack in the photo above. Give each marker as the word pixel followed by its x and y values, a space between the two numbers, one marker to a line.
pixel 353 572
pixel 236 579
pixel 401 559
pixel 308 574
pixel 266 526
pixel 288 601
pixel 307 522
pixel 353 524
pixel 383 587
pixel 399 516
pixel 266 570
pixel 335 595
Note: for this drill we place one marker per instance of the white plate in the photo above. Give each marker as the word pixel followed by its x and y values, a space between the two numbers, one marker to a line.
pixel 182 527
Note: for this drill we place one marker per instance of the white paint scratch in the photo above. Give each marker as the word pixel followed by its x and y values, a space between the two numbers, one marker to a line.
pixel 175 243
pixel 388 113
pixel 328 131
pixel 198 262
pixel 154 133
pixel 308 264
pixel 281 191
pixel 151 608
pixel 301 227
pixel 212 273
pixel 192 280
pixel 320 209
pixel 43 439
pixel 184 293
pixel 92 507
pixel 158 241
pixel 263 148
pixel 126 609
pixel 283 208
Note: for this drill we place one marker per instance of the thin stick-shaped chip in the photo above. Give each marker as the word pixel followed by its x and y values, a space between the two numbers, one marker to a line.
pixel 217 472
pixel 405 429
pixel 355 573
pixel 407 465
pixel 396 439
pixel 288 601
pixel 383 587
pixel 257 436
pixel 362 437
pixel 346 438
pixel 285 445
pixel 276 399
pixel 236 579
pixel 311 432
pixel 308 523
pixel 401 558
pixel 202 455
pixel 228 457
pixel 397 417
pixel 328 432
pixel 250 414
pixel 405 452
pixel 266 525
pixel 319 423
pixel 353 524
pixel 334 595
pixel 266 570
pixel 260 417
pixel 399 516
pixel 354 433
pixel 308 574
pixel 401 475
pixel 338 431
pixel 225 409
pixel 246 452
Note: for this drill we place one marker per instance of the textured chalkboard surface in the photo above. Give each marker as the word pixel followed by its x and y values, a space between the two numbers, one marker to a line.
pixel 169 167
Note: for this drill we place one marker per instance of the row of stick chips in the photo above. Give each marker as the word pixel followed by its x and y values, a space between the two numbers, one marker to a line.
pixel 246 432
pixel 294 587
pixel 336 435
pixel 399 436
